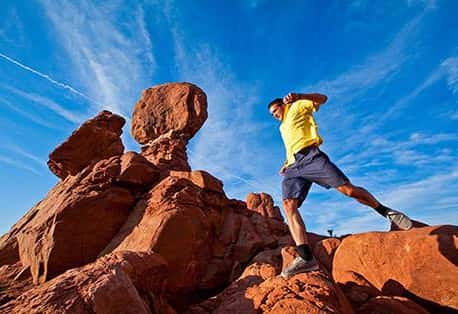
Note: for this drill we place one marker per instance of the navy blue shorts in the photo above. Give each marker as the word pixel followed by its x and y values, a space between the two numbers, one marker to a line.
pixel 311 166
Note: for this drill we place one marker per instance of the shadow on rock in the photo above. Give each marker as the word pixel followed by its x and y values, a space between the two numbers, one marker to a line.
pixel 447 239
pixel 395 288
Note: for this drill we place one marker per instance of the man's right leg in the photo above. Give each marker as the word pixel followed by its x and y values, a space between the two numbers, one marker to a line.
pixel 305 261
pixel 295 223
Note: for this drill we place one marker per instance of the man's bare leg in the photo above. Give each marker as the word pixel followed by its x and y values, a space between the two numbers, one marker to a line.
pixel 305 261
pixel 360 194
pixel 295 223
pixel 399 219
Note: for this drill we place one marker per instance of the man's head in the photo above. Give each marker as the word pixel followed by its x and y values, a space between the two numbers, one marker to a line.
pixel 276 108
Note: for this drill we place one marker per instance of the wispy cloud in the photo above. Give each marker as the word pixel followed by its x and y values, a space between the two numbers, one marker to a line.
pixel 432 200
pixel 113 60
pixel 69 115
pixel 225 145
pixel 18 164
pixel 22 152
pixel 450 65
pixel 448 68
pixel 11 28
pixel 380 66
pixel 46 77
pixel 32 117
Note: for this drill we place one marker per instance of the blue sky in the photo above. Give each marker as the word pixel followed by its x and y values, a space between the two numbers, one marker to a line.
pixel 390 69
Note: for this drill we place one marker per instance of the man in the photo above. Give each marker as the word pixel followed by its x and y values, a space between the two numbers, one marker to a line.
pixel 306 164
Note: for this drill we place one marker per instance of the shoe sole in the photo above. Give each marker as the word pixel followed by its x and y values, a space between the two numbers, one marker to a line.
pixel 405 226
pixel 305 270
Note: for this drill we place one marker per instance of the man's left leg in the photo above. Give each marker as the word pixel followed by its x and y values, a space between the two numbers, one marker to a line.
pixel 324 172
pixel 364 197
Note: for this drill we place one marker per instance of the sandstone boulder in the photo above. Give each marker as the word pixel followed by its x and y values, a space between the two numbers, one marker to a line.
pixel 181 107
pixel 420 264
pixel 96 139
pixel 205 238
pixel 391 305
pixel 137 171
pixel 172 221
pixel 263 204
pixel 259 290
pixel 78 217
pixel 14 280
pixel 324 251
pixel 122 282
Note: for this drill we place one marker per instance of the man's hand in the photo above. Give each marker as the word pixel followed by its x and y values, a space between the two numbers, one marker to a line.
pixel 291 97
pixel 282 170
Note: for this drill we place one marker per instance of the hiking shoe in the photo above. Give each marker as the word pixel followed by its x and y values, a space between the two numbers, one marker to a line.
pixel 399 219
pixel 299 265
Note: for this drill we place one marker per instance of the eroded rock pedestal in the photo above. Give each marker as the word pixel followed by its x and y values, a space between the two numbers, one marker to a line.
pixel 128 232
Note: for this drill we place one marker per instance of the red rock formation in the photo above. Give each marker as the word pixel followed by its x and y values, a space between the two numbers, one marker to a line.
pixel 78 217
pixel 259 290
pixel 420 264
pixel 395 305
pixel 154 235
pixel 167 152
pixel 96 139
pixel 181 107
pixel 122 282
pixel 263 204
pixel 14 281
pixel 324 251
pixel 137 171
pixel 203 236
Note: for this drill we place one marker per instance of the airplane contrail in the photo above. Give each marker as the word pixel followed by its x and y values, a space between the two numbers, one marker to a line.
pixel 48 78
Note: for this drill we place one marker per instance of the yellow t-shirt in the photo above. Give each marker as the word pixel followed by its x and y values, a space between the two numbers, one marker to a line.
pixel 298 128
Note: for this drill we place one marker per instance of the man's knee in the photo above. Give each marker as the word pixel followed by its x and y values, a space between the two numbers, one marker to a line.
pixel 347 189
pixel 290 205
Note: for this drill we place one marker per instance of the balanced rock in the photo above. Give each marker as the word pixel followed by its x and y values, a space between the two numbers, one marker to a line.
pixel 181 107
pixel 96 139
pixel 167 152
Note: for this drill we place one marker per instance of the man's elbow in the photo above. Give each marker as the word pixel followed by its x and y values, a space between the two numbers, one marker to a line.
pixel 321 99
pixel 325 99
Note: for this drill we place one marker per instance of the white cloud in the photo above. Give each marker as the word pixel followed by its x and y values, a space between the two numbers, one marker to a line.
pixel 450 65
pixel 113 60
pixel 46 77
pixel 32 117
pixel 226 145
pixel 18 164
pixel 67 114
pixel 377 68
pixel 12 29
pixel 424 198
pixel 20 151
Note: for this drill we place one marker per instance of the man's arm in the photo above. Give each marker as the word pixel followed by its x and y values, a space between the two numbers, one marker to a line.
pixel 317 99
